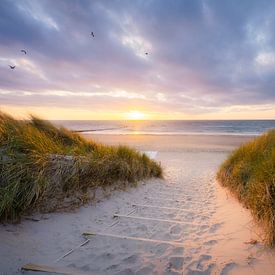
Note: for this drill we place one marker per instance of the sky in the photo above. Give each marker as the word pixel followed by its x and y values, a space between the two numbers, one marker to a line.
pixel 207 59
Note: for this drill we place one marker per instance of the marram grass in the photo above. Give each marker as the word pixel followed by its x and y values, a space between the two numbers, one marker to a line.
pixel 41 164
pixel 250 174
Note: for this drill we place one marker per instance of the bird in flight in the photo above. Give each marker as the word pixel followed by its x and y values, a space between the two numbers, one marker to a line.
pixel 23 51
pixel 12 67
pixel 92 34
pixel 146 53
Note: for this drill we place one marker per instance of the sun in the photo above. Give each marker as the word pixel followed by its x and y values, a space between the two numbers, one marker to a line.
pixel 135 115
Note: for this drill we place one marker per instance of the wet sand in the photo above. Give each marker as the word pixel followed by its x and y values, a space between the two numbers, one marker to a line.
pixel 183 224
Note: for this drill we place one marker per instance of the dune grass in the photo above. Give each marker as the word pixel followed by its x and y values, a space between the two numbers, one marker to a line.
pixel 40 163
pixel 250 173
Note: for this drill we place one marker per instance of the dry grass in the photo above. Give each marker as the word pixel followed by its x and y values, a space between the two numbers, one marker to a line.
pixel 250 173
pixel 40 163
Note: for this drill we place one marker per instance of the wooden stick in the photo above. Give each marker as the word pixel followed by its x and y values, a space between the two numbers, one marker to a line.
pixel 133 238
pixel 113 224
pixel 155 219
pixel 71 251
pixel 117 221
pixel 54 269
pixel 131 212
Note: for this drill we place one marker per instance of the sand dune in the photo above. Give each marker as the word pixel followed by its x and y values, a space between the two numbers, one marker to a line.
pixel 184 224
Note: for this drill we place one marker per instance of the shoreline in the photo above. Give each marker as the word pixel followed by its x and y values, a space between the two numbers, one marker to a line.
pixel 133 133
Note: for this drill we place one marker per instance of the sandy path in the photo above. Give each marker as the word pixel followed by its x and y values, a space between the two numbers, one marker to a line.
pixel 196 227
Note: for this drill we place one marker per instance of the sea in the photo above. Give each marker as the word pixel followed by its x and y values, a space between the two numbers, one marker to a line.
pixel 170 127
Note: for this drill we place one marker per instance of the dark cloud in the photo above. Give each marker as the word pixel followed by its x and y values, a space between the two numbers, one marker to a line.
pixel 202 54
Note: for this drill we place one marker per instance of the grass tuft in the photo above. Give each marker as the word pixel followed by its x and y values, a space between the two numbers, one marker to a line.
pixel 41 166
pixel 250 174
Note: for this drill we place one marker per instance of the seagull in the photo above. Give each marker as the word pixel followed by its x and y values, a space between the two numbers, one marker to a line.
pixel 23 51
pixel 92 34
pixel 12 67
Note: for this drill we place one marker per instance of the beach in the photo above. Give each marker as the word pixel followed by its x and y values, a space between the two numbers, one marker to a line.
pixel 174 143
pixel 185 223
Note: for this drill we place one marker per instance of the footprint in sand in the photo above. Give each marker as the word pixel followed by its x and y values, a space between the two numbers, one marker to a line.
pixel 211 242
pixel 201 266
pixel 215 227
pixel 175 229
pixel 160 249
pixel 227 268
pixel 175 263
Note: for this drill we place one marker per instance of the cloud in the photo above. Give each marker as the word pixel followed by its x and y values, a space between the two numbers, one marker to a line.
pixel 266 59
pixel 203 56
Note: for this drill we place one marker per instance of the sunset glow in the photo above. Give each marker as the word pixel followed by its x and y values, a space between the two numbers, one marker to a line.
pixel 162 59
pixel 136 115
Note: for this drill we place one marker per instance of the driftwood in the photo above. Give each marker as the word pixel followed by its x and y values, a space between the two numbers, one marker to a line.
pixel 55 269
pixel 71 251
pixel 158 220
pixel 180 244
